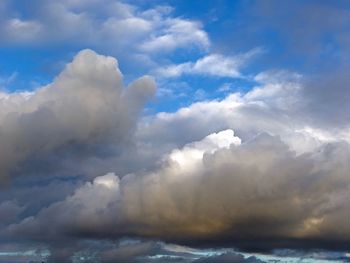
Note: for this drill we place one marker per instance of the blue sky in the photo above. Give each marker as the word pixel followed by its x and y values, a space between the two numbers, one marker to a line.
pixel 36 62
pixel 176 131
pixel 230 28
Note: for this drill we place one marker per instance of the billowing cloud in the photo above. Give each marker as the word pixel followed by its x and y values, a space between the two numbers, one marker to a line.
pixel 275 181
pixel 219 190
pixel 94 178
pixel 86 104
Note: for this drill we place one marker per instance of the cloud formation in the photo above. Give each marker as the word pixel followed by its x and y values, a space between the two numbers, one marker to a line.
pixel 256 194
pixel 86 104
pixel 275 181
pixel 88 172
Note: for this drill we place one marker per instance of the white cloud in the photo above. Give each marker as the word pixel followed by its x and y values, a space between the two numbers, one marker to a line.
pixel 216 65
pixel 275 105
pixel 177 33
pixel 192 154
pixel 111 26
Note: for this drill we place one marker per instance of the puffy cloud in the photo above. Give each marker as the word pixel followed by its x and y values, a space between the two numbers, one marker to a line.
pixel 248 189
pixel 278 104
pixel 251 195
pixel 85 105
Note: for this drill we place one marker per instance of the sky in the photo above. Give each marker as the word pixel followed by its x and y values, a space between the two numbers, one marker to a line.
pixel 174 131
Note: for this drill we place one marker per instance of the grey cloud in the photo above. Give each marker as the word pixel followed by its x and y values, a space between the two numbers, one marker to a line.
pixel 301 110
pixel 9 211
pixel 256 195
pixel 327 98
pixel 129 253
pixel 85 105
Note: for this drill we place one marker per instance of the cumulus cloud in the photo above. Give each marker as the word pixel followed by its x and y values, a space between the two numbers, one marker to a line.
pixel 246 170
pixel 253 195
pixel 280 103
pixel 258 170
pixel 86 104
pixel 277 181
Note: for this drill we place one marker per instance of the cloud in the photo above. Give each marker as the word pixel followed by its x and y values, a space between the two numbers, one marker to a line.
pixel 281 103
pixel 277 181
pixel 9 211
pixel 257 194
pixel 258 170
pixel 178 33
pixel 133 252
pixel 144 32
pixel 85 105
pixel 215 65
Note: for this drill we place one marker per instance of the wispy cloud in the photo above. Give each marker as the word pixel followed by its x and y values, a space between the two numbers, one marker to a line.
pixel 214 65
